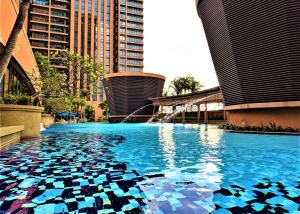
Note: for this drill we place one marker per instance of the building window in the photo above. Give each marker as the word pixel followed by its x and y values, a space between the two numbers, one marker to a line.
pixel 42 2
pixel 95 91
pixel 13 83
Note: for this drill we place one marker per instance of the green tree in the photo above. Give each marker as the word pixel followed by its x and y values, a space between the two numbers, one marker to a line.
pixel 82 71
pixel 13 37
pixel 90 113
pixel 85 93
pixel 193 84
pixel 186 84
pixel 177 85
pixel 82 104
pixel 105 107
pixel 53 83
pixel 56 105
pixel 81 74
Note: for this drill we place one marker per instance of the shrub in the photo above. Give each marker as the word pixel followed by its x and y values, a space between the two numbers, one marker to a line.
pixel 24 100
pixel 56 105
pixel 82 120
pixel 89 113
pixel 271 128
pixel 102 119
pixel 17 99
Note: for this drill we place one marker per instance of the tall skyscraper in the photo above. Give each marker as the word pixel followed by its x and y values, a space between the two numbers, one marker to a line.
pixel 110 31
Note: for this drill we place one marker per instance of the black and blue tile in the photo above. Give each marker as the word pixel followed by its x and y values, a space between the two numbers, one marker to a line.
pixel 81 175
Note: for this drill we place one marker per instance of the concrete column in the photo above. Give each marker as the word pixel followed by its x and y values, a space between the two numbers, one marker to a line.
pixel 183 116
pixel 198 114
pixel 173 109
pixel 225 116
pixel 205 114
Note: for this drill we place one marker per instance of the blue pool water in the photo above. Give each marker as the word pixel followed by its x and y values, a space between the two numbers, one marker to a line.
pixel 150 168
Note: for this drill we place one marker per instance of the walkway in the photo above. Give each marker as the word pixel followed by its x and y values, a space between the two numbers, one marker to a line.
pixel 204 97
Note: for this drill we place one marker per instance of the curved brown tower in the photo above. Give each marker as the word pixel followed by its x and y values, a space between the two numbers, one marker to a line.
pixel 255 47
pixel 129 91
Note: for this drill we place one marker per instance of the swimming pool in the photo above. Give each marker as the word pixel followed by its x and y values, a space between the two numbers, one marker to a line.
pixel 150 168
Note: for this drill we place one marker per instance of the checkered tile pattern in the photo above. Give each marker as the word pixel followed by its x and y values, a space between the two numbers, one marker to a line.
pixel 264 197
pixel 78 176
pixel 77 173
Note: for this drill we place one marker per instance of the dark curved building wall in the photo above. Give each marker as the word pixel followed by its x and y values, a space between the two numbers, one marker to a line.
pixel 125 94
pixel 255 47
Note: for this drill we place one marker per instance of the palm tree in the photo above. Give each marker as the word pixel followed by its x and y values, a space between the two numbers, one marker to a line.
pixel 76 103
pixel 12 40
pixel 177 85
pixel 105 107
pixel 82 104
pixel 193 84
pixel 85 93
pixel 183 85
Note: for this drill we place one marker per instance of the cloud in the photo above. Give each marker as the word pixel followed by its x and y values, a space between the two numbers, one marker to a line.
pixel 175 43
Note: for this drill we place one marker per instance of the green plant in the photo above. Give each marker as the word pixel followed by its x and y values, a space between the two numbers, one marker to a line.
pixel 51 81
pixel 82 120
pixel 271 128
pixel 85 93
pixel 102 118
pixel 56 105
pixel 24 100
pixel 17 99
pixel 90 113
pixel 10 99
pixel 183 85
pixel 80 69
pixel 1 100
pixel 105 107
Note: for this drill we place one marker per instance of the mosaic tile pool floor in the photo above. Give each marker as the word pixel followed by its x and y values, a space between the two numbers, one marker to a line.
pixel 140 168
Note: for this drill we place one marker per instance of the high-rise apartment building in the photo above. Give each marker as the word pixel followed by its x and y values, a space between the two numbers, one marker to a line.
pixel 110 31
pixel 49 25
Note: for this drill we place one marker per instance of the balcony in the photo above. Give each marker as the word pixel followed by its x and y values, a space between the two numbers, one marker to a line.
pixel 38 48
pixel 59 7
pixel 35 4
pixel 58 14
pixel 39 28
pixel 43 20
pixel 40 11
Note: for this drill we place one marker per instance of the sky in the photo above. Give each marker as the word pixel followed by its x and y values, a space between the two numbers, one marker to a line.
pixel 175 43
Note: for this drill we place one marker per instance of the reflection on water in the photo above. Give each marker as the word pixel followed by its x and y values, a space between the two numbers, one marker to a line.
pixel 178 168
pixel 191 175
pixel 166 140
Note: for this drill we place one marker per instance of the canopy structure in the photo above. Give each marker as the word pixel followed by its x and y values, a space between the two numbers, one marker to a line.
pixel 204 97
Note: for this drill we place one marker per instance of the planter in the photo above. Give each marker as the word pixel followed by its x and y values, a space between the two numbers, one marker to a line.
pixel 28 116
pixel 47 120
pixel 10 135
